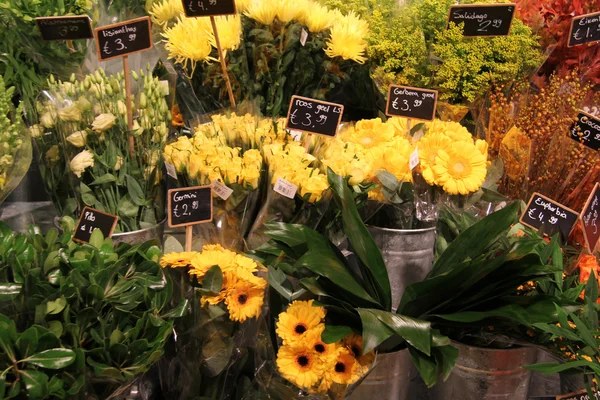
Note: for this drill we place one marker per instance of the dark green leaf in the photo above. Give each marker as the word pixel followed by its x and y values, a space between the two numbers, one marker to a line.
pixel 36 383
pixel 135 191
pixel 52 359
pixel 27 342
pixel 213 280
pixel 106 178
pixel 9 291
pixel 335 333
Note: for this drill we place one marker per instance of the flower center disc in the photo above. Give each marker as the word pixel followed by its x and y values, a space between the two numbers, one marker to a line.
pixel 319 348
pixel 300 329
pixel 340 367
pixel 242 299
pixel 303 361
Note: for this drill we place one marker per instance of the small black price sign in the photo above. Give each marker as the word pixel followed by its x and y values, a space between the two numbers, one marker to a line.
pixel 91 219
pixel 410 102
pixel 190 206
pixel 589 217
pixel 586 130
pixel 553 217
pixel 208 8
pixel 584 29
pixel 124 38
pixel 483 19
pixel 69 27
pixel 314 116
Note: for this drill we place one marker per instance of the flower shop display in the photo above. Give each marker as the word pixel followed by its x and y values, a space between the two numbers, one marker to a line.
pixel 79 320
pixel 215 341
pixel 84 123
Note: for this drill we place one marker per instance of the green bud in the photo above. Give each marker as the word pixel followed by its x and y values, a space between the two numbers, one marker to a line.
pixel 52 80
pixel 134 75
pixel 143 101
pixel 87 84
pixel 72 78
pixel 109 90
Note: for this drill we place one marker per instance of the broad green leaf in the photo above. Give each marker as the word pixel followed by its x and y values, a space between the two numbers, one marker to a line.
pixel 97 238
pixel 213 280
pixel 178 311
pixel 374 332
pixel 27 342
pixel 52 359
pixel 106 178
pixel 36 383
pixel 9 291
pixel 135 191
pixel 56 307
pixel 278 280
pixel 335 333
pixel 591 288
pixel 554 368
pixel 56 328
pixel 126 208
pixel 116 337
pixel 417 333
pixel 6 340
pixel 426 365
pixel 172 245
pixel 216 354
pixel 445 358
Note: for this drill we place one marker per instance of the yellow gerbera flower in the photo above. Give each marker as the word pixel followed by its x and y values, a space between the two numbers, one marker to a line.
pixel 354 343
pixel 346 369
pixel 369 133
pixel 300 365
pixel 347 39
pixel 428 146
pixel 166 10
pixel 298 320
pixel 244 301
pixel 453 130
pixel 187 42
pixel 175 260
pixel 460 169
pixel 263 11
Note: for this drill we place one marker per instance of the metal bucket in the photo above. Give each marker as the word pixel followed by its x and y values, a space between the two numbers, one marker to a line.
pixel 488 374
pixel 389 379
pixel 408 255
pixel 140 236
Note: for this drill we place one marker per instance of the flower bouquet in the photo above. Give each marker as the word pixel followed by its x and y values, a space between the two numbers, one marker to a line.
pixel 111 168
pixel 214 341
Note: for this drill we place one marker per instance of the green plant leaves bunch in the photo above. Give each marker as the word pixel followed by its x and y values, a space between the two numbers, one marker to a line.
pixel 88 317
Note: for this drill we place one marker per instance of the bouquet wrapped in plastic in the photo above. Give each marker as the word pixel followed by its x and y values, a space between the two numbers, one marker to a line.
pixel 109 167
pixel 213 343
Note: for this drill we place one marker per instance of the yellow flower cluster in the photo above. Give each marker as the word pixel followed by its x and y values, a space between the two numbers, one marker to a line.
pixel 292 163
pixel 247 131
pixel 242 291
pixel 308 362
pixel 347 39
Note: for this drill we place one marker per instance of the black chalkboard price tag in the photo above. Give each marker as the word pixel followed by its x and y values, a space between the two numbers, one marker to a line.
pixel 208 8
pixel 483 19
pixel 190 206
pixel 553 217
pixel 586 130
pixel 584 29
pixel 314 116
pixel 91 219
pixel 410 102
pixel 68 27
pixel 124 38
pixel 590 217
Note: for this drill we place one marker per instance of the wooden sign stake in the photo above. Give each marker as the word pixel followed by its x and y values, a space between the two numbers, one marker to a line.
pixel 223 64
pixel 70 46
pixel 188 238
pixel 128 104
pixel 408 126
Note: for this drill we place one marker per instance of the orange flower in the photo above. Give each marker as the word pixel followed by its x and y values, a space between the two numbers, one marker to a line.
pixel 587 263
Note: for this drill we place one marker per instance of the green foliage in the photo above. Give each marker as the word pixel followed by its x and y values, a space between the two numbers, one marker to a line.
pixel 86 315
pixel 11 135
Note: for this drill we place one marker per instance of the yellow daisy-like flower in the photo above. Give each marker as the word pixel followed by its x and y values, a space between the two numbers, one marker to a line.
pixel 242 5
pixel 347 39
pixel 453 130
pixel 165 11
pixel 346 369
pixel 315 16
pixel 230 32
pixel 176 260
pixel 460 169
pixel 369 133
pixel 263 11
pixel 354 343
pixel 187 42
pixel 327 353
pixel 244 301
pixel 287 10
pixel 300 365
pixel 429 145
pixel 300 317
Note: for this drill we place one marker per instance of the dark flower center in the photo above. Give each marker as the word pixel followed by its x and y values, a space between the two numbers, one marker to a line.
pixel 300 329
pixel 319 348
pixel 303 361
pixel 356 351
pixel 242 299
pixel 340 367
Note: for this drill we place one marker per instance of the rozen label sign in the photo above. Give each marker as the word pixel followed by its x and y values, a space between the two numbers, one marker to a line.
pixel 585 29
pixel 589 217
pixel 552 217
pixel 208 8
pixel 91 219
pixel 314 116
pixel 586 130
pixel 483 19
pixel 190 206
pixel 123 38
pixel 410 102
pixel 71 27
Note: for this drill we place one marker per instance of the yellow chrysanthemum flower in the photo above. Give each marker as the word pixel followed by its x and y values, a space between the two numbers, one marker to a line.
pixel 263 11
pixel 176 260
pixel 244 301
pixel 229 28
pixel 287 10
pixel 347 39
pixel 242 5
pixel 300 365
pixel 316 17
pixel 165 11
pixel 297 320
pixel 460 169
pixel 187 42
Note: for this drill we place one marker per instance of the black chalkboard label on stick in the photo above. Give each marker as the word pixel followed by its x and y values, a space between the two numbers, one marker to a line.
pixel 208 8
pixel 124 38
pixel 68 27
pixel 483 19
pixel 590 217
pixel 584 29
pixel 91 219
pixel 189 206
pixel 586 130
pixel 314 116
pixel 547 214
pixel 410 102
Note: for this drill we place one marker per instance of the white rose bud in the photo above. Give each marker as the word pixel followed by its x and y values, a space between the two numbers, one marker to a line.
pixel 77 139
pixel 84 104
pixel 81 161
pixel 137 129
pixel 48 119
pixel 121 107
pixel 35 131
pixel 70 113
pixel 103 122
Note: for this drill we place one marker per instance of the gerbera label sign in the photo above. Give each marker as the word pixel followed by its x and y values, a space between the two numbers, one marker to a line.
pixel 483 19
pixel 586 130
pixel 411 102
pixel 189 206
pixel 584 29
pixel 124 38
pixel 70 27
pixel 590 219
pixel 92 219
pixel 550 216
pixel 314 116
pixel 208 8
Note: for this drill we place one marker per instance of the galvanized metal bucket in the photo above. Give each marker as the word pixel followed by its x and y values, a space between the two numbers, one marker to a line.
pixel 389 379
pixel 140 236
pixel 408 255
pixel 488 374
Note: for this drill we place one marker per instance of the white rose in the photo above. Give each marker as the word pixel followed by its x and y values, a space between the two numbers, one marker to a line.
pixel 81 161
pixel 119 163
pixel 103 122
pixel 48 119
pixel 84 104
pixel 77 139
pixel 36 131
pixel 70 113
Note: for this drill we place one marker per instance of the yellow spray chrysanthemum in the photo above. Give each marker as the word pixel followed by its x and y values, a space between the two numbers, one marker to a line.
pixel 242 5
pixel 176 260
pixel 316 17
pixel 297 320
pixel 165 11
pixel 229 28
pixel 263 11
pixel 347 39
pixel 187 42
pixel 287 10
pixel 300 365
pixel 244 301
pixel 460 169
